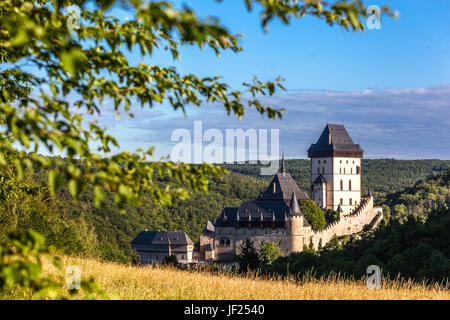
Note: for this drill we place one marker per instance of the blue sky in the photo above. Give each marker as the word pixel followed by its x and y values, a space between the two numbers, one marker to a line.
pixel 390 87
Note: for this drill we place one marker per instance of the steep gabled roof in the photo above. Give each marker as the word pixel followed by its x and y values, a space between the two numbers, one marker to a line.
pixel 253 211
pixel 335 141
pixel 209 228
pixel 285 185
pixel 162 238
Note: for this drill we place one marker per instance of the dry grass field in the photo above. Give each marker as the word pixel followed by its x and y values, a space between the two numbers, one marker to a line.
pixel 130 282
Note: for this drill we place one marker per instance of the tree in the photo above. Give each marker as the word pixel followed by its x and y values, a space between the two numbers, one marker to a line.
pixel 248 258
pixel 314 215
pixel 332 216
pixel 52 73
pixel 170 261
pixel 269 252
pixel 399 209
pixel 386 214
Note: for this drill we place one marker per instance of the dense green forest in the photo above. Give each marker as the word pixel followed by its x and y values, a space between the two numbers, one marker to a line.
pixel 413 239
pixel 381 175
pixel 83 228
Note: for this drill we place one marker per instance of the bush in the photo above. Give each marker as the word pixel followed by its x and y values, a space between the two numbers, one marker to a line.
pixel 314 215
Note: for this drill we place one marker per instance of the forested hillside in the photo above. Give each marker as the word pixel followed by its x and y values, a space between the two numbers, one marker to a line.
pixel 105 232
pixel 381 175
pixel 83 228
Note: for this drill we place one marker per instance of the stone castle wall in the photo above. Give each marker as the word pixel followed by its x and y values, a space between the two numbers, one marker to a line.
pixel 292 239
pixel 364 214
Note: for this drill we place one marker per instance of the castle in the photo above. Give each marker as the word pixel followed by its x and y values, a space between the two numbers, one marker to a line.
pixel 276 215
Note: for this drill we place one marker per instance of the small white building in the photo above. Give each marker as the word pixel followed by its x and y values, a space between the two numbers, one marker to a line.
pixel 154 246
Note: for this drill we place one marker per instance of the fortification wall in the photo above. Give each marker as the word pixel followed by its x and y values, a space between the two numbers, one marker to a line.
pixel 364 214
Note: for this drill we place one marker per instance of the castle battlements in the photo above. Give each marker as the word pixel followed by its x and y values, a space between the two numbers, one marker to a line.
pixel 364 214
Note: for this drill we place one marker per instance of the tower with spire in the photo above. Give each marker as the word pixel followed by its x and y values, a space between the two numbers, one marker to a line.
pixel 336 169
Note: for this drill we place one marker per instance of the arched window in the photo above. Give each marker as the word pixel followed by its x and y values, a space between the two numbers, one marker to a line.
pixel 342 185
pixel 323 170
pixel 228 242
pixel 222 242
pixel 349 184
pixel 318 170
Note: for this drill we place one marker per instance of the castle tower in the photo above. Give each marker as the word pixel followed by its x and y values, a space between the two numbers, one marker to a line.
pixel 299 228
pixel 336 169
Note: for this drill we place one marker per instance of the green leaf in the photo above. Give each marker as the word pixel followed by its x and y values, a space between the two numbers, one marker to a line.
pixel 53 181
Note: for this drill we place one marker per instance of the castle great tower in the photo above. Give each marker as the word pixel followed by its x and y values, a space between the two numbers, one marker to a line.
pixel 336 170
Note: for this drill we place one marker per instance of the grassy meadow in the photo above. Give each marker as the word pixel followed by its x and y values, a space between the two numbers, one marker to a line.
pixel 122 281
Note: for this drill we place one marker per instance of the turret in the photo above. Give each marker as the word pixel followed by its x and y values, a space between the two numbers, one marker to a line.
pixel 283 165
pixel 299 227
pixel 294 206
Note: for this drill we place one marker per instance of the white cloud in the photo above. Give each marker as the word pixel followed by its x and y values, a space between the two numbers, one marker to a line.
pixel 397 123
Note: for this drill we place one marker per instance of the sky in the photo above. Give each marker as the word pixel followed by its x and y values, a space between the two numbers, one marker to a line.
pixel 389 87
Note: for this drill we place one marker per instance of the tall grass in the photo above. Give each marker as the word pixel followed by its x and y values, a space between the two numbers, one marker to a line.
pixel 131 282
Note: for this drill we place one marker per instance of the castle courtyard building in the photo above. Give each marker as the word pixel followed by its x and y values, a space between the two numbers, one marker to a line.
pixel 153 246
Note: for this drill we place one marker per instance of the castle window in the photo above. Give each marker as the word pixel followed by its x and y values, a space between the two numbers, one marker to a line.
pixel 358 169
pixel 182 257
pixel 323 170
pixel 340 161
pixel 318 170
pixel 347 161
pixel 342 185
pixel 262 242
pixel 350 185
pixel 324 161
pixel 340 170
pixel 350 201
pixel 228 242
pixel 319 161
pixel 344 170
pixel 342 201
pixel 279 242
pixel 351 170
pixel 353 161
